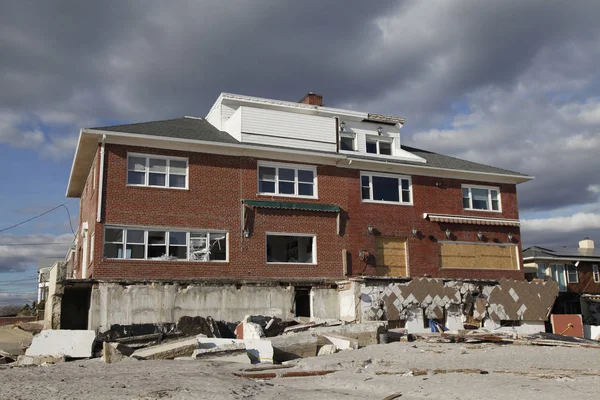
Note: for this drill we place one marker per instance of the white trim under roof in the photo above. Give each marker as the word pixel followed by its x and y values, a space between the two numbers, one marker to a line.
pixel 550 258
pixel 465 219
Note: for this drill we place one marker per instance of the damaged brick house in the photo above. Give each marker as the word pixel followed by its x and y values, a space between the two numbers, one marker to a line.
pixel 275 207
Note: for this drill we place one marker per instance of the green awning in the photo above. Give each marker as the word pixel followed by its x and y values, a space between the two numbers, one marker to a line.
pixel 290 205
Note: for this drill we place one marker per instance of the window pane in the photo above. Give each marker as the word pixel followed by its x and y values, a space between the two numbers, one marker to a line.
pixel 372 147
pixel 157 251
pixel 305 189
pixel 136 163
pixel 286 174
pixel 218 247
pixel 290 249
pixel 305 176
pixel 135 251
pixel 405 185
pixel 156 237
pixel 266 173
pixel 266 187
pixel 177 238
pixel 541 272
pixel 157 179
pixel 572 274
pixel 286 187
pixel 113 250
pixel 177 167
pixel 406 196
pixel 113 235
pixel 199 247
pixel 480 199
pixel 177 181
pixel 347 143
pixel 135 236
pixel 136 178
pixel 465 196
pixel 495 200
pixel 158 165
pixel 385 148
pixel 385 189
pixel 365 190
pixel 179 252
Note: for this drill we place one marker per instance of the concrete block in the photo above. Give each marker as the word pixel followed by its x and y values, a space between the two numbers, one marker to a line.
pixel 233 352
pixel 295 345
pixel 26 360
pixel 115 352
pixel 68 343
pixel 210 343
pixel 259 350
pixel 168 350
pixel 252 331
pixel 341 342
pixel 327 350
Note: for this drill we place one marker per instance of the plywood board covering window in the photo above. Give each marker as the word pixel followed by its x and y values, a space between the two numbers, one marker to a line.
pixel 390 256
pixel 478 256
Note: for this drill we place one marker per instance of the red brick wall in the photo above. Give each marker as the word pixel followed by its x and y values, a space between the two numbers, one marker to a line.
pixel 218 183
pixel 586 283
pixel 87 213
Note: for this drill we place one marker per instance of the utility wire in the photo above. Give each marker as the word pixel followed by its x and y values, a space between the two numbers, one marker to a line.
pixel 39 215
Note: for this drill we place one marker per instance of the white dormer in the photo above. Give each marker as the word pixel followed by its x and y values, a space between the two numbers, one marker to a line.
pixel 308 125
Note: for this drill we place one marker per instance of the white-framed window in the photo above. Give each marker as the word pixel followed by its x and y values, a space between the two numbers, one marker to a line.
pixel 291 248
pixel 542 272
pixel 164 244
pixel 558 275
pixel 287 180
pixel 377 145
pixel 596 273
pixel 572 275
pixel 481 198
pixel 157 171
pixel 386 188
pixel 347 142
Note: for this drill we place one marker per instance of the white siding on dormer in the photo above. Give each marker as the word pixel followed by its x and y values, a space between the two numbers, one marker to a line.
pixel 233 125
pixel 279 128
pixel 214 117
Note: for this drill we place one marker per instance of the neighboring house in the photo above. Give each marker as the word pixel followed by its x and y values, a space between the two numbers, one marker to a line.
pixel 575 270
pixel 44 267
pixel 273 191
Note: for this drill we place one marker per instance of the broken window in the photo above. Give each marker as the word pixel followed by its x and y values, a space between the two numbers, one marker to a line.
pixel 481 198
pixel 156 171
pixel 164 245
pixel 208 246
pixel 347 142
pixel 291 249
pixel 386 188
pixel 596 273
pixel 287 180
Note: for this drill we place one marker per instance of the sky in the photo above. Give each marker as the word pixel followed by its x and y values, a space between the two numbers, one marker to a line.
pixel 512 84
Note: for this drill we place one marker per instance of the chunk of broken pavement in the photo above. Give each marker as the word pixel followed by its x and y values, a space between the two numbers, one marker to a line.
pixel 115 352
pixel 62 342
pixel 38 360
pixel 167 350
pixel 326 350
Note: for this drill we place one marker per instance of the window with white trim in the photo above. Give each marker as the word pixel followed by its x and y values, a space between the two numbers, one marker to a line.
pixel 542 272
pixel 386 188
pixel 157 171
pixel 481 198
pixel 379 146
pixel 596 273
pixel 287 180
pixel 291 248
pixel 347 141
pixel 168 245
pixel 572 276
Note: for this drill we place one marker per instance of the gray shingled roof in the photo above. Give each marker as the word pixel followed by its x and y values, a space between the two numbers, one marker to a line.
pixel 181 128
pixel 561 252
pixel 200 129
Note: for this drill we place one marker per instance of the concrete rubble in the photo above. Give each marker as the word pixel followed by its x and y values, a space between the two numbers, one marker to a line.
pixel 167 350
pixel 68 343
pixel 115 352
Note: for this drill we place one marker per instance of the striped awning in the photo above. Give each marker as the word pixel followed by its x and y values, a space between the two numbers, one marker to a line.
pixel 463 219
pixel 289 205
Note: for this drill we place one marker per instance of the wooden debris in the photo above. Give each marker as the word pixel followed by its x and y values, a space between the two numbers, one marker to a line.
pixel 288 374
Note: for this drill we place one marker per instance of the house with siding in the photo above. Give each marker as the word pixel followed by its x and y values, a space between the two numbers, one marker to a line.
pixel 278 194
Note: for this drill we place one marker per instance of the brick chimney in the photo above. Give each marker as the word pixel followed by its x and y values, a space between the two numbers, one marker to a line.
pixel 586 243
pixel 313 99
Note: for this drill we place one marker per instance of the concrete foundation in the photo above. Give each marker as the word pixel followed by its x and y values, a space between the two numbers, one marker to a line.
pixel 325 303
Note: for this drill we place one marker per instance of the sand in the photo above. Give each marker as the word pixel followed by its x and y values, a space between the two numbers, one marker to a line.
pixel 415 370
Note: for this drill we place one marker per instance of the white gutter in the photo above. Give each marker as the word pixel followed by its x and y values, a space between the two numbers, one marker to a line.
pixel 101 178
pixel 549 258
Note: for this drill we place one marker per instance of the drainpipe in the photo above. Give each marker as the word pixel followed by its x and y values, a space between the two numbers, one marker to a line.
pixel 100 184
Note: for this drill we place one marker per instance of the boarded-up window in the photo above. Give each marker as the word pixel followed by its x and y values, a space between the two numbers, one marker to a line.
pixel 390 256
pixel 478 256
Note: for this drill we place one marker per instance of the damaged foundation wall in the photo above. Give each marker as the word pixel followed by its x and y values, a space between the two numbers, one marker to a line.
pixel 521 305
pixel 158 303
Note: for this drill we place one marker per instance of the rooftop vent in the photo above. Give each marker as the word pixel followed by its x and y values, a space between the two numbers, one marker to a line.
pixel 313 99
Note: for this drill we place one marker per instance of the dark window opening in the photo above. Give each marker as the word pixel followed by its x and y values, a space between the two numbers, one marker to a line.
pixel 302 302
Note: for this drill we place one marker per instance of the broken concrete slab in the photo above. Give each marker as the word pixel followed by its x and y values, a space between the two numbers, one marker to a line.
pixel 365 334
pixel 260 350
pixel 291 346
pixel 327 350
pixel 233 352
pixel 23 361
pixel 341 342
pixel 68 343
pixel 115 352
pixel 168 350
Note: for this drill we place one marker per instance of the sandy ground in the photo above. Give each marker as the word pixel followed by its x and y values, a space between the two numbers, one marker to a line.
pixel 374 372
pixel 14 341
